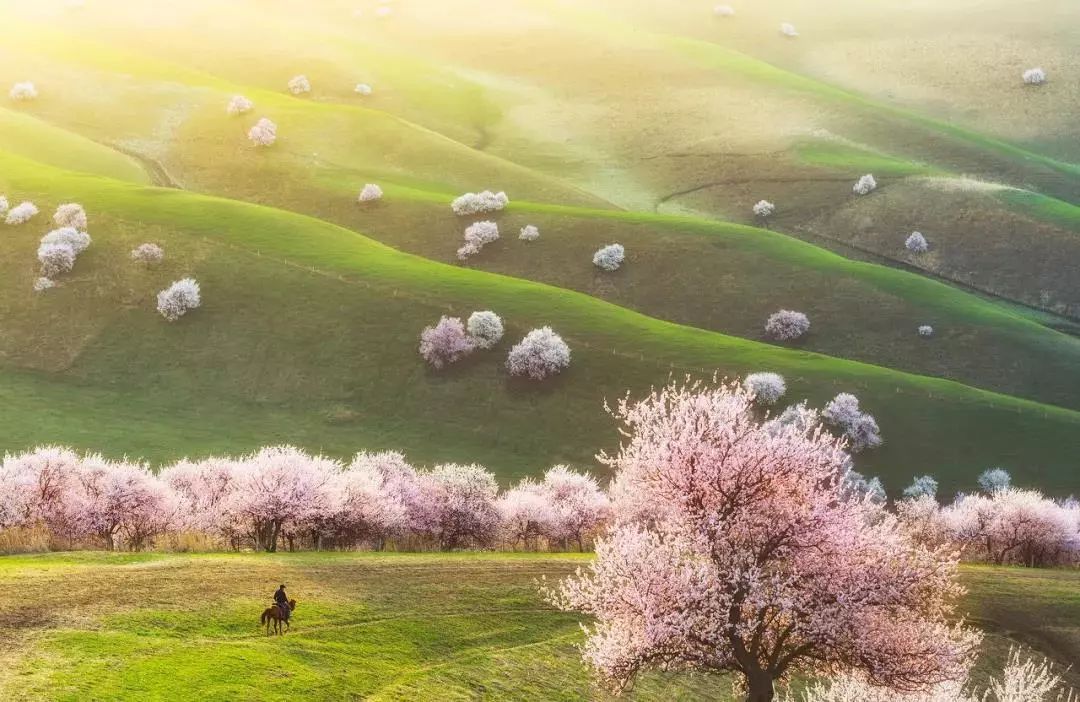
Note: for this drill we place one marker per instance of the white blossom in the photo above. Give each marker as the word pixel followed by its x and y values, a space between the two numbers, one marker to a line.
pixel 1034 76
pixel 43 283
pixel 529 233
pixel 610 257
pixel 785 325
pixel 477 235
pixel 764 209
pixel 3 205
pixel 916 243
pixel 56 258
pixel 860 428
pixel 23 92
pixel 767 388
pixel 865 185
pixel 541 354
pixel 724 11
pixel 21 213
pixel 363 89
pixel 788 29
pixel 70 214
pixel 926 330
pixel 485 328
pixel 176 300
pixel 298 85
pixel 475 203
pixel 147 253
pixel 78 241
pixel 239 105
pixel 264 133
pixel 369 193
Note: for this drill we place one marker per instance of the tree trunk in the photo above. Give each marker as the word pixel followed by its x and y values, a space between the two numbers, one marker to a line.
pixel 759 687
pixel 271 545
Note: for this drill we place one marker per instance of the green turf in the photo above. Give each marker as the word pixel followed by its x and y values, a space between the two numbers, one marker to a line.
pixel 368 626
pixel 315 343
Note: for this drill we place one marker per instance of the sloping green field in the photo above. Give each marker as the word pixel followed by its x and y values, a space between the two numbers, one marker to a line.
pixel 370 626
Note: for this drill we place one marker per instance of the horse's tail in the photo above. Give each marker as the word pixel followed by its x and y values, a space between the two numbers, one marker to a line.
pixel 265 616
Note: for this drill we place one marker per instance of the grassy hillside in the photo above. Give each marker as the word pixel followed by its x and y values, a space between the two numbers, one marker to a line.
pixel 308 334
pixel 376 626
pixel 684 270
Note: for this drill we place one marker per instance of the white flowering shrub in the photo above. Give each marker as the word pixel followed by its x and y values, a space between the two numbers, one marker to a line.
pixel 475 203
pixel 541 354
pixel 239 105
pixel 860 428
pixel 485 328
pixel 788 29
pixel 178 299
pixel 799 416
pixel 529 233
pixel 445 343
pixel 764 209
pixel 298 85
pixel 865 185
pixel 370 193
pixel 264 133
pixel 21 213
pixel 724 11
pixel 23 92
pixel 1034 76
pixel 43 283
pixel 924 486
pixel 3 205
pixel 925 330
pixel 916 243
pixel 995 479
pixel 147 253
pixel 767 388
pixel 78 241
pixel 785 325
pixel 610 257
pixel 363 89
pixel 56 258
pixel 70 214
pixel 477 235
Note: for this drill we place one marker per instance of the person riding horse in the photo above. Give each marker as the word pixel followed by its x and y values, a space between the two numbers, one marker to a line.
pixel 282 601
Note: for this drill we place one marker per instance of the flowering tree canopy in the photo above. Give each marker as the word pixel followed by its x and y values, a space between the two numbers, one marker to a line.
pixel 916 243
pixel 363 89
pixel 764 209
pixel 788 30
pixel 485 328
pixel 1034 76
pixel 993 479
pixel 445 343
pixel 541 354
pixel 298 85
pixel 239 105
pixel 767 388
pixel 68 236
pixel 865 185
pixel 55 258
pixel 785 325
pixel 610 257
pixel 478 235
pixel 178 299
pixel 529 233
pixel 23 92
pixel 925 330
pixel 264 133
pixel 755 560
pixel 724 11
pixel 148 253
pixel 71 215
pixel 459 505
pixel 477 203
pixel 21 213
pixel 370 193
pixel 860 428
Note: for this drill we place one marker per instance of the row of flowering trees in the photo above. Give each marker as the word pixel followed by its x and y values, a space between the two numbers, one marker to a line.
pixel 283 496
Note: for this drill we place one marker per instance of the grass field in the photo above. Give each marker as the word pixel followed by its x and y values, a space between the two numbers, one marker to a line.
pixel 369 626
pixel 309 328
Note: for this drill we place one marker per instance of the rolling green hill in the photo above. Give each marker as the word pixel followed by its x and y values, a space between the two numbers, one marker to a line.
pixel 308 334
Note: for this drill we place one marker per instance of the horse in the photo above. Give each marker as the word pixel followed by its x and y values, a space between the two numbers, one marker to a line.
pixel 273 615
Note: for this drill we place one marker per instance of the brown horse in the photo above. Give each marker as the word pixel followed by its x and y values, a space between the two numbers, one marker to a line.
pixel 272 615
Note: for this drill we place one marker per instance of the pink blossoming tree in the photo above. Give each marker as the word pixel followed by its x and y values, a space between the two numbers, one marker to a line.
pixel 755 560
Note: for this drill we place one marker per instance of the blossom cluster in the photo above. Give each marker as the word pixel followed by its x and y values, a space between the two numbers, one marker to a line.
pixel 282 495
pixel 477 203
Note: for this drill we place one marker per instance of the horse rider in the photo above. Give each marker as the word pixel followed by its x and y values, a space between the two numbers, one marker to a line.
pixel 282 601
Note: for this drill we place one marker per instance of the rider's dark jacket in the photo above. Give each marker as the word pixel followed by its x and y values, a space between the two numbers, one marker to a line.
pixel 280 597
